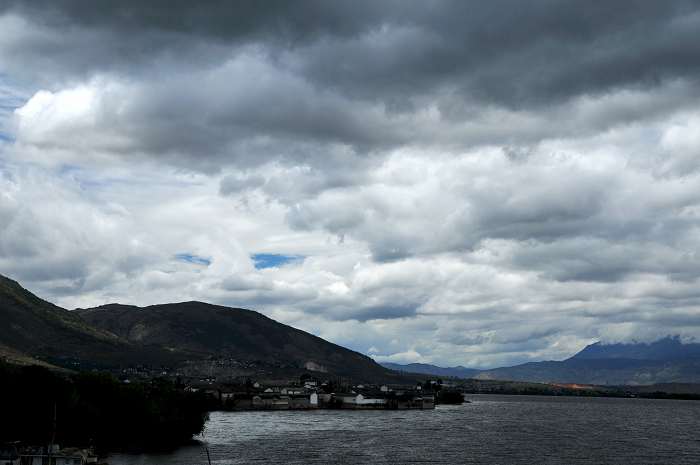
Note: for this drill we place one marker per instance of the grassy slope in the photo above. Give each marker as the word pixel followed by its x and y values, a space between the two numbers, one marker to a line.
pixel 204 330
pixel 37 329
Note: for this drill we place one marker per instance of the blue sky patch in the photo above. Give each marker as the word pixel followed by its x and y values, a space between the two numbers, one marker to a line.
pixel 274 260
pixel 193 259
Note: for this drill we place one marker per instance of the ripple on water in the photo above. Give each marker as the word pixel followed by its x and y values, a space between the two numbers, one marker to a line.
pixel 490 430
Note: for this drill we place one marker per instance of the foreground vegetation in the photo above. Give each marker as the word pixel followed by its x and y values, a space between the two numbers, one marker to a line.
pixel 96 410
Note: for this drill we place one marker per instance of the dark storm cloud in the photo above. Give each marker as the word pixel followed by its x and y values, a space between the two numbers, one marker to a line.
pixel 366 137
pixel 517 53
pixel 216 84
pixel 217 19
pixel 507 52
pixel 86 37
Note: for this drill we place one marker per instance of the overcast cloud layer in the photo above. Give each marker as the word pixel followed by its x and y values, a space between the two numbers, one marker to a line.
pixel 449 182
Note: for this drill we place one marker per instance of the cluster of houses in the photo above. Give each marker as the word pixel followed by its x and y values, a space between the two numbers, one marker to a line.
pixel 310 395
pixel 13 454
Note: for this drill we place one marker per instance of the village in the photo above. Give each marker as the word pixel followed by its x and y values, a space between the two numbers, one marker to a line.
pixel 312 394
pixel 305 394
pixel 230 392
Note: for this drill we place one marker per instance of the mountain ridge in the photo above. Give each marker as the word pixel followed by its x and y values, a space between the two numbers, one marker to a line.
pixel 667 360
pixel 201 330
pixel 434 370
pixel 192 334
pixel 666 348
pixel 37 331
pixel 35 328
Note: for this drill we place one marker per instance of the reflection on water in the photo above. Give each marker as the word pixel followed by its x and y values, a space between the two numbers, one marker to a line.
pixel 490 430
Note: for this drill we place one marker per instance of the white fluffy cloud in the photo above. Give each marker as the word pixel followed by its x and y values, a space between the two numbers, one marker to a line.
pixel 412 210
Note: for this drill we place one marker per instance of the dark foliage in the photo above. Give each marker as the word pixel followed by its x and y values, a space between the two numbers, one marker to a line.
pixel 667 395
pixel 446 396
pixel 96 410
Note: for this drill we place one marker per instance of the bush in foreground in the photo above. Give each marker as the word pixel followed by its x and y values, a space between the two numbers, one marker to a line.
pixel 96 410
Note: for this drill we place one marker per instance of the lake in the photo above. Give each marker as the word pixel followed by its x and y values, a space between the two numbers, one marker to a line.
pixel 490 430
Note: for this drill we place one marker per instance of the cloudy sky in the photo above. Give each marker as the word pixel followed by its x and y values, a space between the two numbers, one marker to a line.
pixel 475 183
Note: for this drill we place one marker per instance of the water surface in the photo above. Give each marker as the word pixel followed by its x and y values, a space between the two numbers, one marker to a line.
pixel 490 430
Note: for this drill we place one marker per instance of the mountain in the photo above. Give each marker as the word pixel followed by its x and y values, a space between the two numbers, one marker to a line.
pixel 35 329
pixel 668 348
pixel 599 372
pixel 234 336
pixel 426 369
pixel 195 336
pixel 199 337
pixel 667 360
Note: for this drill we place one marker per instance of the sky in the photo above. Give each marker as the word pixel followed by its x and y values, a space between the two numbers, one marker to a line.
pixel 448 182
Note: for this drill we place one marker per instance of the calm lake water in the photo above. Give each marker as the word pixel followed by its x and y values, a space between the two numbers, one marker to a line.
pixel 490 430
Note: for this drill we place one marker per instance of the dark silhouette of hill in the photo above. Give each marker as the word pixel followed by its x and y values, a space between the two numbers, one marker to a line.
pixel 667 360
pixel 202 331
pixel 668 348
pixel 600 371
pixel 36 331
pixel 433 370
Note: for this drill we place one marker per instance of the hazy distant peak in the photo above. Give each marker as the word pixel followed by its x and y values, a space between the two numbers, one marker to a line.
pixel 668 348
pixel 427 369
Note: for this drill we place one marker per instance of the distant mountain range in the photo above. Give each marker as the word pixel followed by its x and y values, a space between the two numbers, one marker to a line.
pixel 433 370
pixel 668 349
pixel 200 337
pixel 667 360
